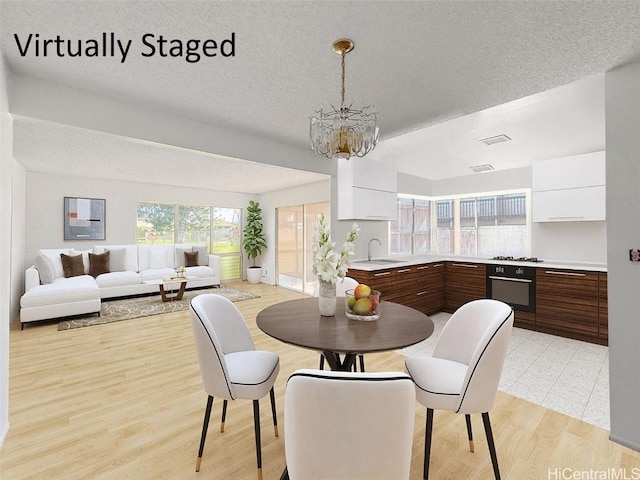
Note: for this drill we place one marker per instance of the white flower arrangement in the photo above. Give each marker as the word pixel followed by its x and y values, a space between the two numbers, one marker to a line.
pixel 329 265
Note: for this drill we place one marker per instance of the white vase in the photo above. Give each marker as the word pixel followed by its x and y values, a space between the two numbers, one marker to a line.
pixel 327 298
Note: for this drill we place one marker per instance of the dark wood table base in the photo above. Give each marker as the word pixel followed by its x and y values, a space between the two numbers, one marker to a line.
pixel 177 296
pixel 344 365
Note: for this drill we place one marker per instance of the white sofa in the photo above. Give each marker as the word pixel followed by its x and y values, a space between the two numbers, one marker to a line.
pixel 48 294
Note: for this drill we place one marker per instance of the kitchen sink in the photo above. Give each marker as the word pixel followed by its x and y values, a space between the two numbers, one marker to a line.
pixel 378 261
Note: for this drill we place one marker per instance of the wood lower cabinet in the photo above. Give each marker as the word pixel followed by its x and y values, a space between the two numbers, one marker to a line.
pixel 417 286
pixel 603 308
pixel 464 282
pixel 430 287
pixel 567 303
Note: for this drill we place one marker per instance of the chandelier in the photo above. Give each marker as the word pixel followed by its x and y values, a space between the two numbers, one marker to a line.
pixel 344 132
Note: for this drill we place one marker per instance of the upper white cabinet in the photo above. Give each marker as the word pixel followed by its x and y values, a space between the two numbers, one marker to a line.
pixel 570 189
pixel 367 190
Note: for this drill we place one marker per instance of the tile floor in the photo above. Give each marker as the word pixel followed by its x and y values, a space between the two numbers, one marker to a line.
pixel 558 373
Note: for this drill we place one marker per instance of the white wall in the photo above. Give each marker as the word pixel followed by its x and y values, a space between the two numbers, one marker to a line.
pixel 622 105
pixel 6 164
pixel 313 193
pixel 44 207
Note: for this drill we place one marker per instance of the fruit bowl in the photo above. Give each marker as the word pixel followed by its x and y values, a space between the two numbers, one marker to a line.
pixel 362 306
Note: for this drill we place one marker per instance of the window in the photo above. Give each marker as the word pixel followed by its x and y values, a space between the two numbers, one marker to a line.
pixel 484 226
pixel 411 233
pixel 294 254
pixel 218 228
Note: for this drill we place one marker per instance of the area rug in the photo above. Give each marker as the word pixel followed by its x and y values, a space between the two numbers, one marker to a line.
pixel 126 309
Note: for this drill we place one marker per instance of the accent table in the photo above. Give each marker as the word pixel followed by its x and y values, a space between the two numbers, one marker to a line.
pixel 298 322
pixel 167 281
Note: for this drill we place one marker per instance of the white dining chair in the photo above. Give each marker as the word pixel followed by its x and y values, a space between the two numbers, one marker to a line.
pixel 230 366
pixel 342 285
pixel 348 425
pixel 463 373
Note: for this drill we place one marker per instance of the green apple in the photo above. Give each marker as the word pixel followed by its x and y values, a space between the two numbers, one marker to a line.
pixel 362 291
pixel 350 301
pixel 362 306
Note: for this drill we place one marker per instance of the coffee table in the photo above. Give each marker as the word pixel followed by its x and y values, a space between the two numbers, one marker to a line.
pixel 298 322
pixel 168 281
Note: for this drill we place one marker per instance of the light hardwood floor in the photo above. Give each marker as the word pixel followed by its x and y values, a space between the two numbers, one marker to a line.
pixel 125 401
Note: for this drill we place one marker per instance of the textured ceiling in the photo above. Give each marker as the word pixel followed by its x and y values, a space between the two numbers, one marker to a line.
pixel 421 63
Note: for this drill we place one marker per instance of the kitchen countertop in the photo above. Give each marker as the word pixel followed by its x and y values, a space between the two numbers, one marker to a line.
pixel 408 260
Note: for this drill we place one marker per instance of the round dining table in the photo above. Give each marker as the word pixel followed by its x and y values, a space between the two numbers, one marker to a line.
pixel 298 322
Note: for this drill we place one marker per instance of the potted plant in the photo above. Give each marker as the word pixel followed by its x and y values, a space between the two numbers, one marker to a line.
pixel 254 242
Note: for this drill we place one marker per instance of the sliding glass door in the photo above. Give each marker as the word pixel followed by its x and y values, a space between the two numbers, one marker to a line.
pixel 294 254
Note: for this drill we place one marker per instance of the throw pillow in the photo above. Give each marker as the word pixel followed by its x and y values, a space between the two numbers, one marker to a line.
pixel 190 259
pixel 98 263
pixel 157 258
pixel 72 265
pixel 180 258
pixel 45 268
pixel 203 258
pixel 117 259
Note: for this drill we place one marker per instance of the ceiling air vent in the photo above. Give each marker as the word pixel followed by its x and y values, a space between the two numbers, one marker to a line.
pixel 482 168
pixel 496 139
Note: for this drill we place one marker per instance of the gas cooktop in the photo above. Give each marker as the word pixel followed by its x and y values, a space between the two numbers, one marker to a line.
pixel 519 259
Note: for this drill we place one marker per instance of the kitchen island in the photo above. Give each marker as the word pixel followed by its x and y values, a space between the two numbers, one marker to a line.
pixel 568 299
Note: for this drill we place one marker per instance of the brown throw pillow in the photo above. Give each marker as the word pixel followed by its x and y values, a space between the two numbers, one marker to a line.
pixel 98 263
pixel 72 265
pixel 190 259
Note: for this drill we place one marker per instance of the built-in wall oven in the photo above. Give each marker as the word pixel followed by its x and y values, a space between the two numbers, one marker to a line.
pixel 513 284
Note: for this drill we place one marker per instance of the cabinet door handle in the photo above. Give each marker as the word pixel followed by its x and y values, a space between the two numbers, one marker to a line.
pixel 421 293
pixel 381 274
pixel 465 265
pixel 566 274
pixel 507 279
pixel 438 265
pixel 404 270
pixel 565 218
pixel 422 267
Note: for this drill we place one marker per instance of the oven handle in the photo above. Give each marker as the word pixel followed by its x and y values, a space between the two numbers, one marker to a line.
pixel 506 279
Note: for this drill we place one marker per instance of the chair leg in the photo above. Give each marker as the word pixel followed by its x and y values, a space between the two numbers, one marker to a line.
pixel 205 426
pixel 362 363
pixel 321 362
pixel 224 416
pixel 427 442
pixel 256 424
pixel 469 432
pixel 272 396
pixel 492 447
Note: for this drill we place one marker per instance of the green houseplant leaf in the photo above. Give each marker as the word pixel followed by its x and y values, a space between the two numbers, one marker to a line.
pixel 254 242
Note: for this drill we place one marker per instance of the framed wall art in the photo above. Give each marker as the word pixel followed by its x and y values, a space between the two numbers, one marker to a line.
pixel 84 218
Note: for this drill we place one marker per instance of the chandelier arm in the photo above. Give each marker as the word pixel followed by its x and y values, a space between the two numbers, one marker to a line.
pixel 343 64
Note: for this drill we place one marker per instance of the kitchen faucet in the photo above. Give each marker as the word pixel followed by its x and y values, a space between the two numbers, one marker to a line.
pixel 369 247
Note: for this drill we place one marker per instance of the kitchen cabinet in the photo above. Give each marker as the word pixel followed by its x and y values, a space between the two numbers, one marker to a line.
pixel 603 308
pixel 367 190
pixel 570 188
pixel 417 286
pixel 430 287
pixel 567 303
pixel 464 281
